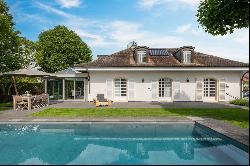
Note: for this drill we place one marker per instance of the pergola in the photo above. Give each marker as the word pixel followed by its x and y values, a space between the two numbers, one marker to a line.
pixel 25 73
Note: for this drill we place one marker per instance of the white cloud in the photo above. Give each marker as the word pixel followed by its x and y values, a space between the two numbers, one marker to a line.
pixel 241 36
pixel 53 10
pixel 123 32
pixel 171 4
pixel 69 3
pixel 188 29
pixel 184 28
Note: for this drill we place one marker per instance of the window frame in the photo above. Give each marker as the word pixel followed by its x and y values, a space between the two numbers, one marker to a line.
pixel 165 87
pixel 141 56
pixel 187 56
pixel 210 88
pixel 122 89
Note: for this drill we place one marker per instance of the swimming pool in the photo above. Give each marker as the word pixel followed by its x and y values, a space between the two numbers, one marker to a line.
pixel 99 143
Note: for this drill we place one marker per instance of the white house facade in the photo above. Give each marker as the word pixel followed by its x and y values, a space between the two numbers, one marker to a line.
pixel 152 75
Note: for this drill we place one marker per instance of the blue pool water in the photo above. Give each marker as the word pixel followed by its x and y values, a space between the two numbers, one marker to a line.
pixel 117 144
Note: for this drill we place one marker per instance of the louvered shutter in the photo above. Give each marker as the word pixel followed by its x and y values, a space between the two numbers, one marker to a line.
pixel 131 90
pixel 109 89
pixel 199 90
pixel 222 90
pixel 154 84
pixel 177 90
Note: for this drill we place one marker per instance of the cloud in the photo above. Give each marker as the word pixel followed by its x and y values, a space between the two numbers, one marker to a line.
pixel 123 32
pixel 54 10
pixel 188 29
pixel 69 3
pixel 184 28
pixel 171 4
pixel 241 36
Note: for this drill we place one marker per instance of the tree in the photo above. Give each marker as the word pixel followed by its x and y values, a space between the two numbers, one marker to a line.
pixel 27 49
pixel 10 59
pixel 60 48
pixel 219 17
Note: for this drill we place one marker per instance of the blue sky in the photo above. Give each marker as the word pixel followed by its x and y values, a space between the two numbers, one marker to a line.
pixel 109 25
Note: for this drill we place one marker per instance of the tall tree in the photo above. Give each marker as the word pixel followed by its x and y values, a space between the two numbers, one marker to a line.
pixel 10 59
pixel 60 48
pixel 220 17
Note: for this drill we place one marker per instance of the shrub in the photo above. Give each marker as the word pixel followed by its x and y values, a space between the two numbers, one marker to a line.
pixel 241 102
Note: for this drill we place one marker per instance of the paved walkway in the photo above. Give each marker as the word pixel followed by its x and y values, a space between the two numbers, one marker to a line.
pixel 76 104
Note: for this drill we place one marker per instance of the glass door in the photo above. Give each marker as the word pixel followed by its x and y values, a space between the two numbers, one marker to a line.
pixel 79 88
pixel 55 89
pixel 69 88
pixel 210 90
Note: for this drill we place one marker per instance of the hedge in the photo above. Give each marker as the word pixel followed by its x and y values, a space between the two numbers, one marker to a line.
pixel 241 102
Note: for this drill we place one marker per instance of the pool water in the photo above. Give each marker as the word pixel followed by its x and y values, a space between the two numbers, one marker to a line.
pixel 171 143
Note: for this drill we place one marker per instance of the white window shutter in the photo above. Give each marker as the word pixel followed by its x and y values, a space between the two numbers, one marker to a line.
pixel 131 90
pixel 222 90
pixel 109 89
pixel 199 89
pixel 154 84
pixel 177 90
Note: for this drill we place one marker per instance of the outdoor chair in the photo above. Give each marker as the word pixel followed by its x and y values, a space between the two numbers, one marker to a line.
pixel 20 103
pixel 101 101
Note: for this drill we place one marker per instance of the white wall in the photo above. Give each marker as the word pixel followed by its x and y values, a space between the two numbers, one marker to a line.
pixel 143 91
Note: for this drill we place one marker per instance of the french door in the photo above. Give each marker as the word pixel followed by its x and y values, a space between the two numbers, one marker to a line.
pixel 210 90
pixel 120 90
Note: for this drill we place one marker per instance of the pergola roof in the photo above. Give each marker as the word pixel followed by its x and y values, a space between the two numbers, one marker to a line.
pixel 26 72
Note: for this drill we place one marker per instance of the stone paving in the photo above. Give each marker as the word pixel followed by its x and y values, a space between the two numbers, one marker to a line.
pixel 234 132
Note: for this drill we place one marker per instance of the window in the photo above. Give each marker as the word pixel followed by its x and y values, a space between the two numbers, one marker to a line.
pixel 187 56
pixel 209 88
pixel 120 87
pixel 142 56
pixel 165 87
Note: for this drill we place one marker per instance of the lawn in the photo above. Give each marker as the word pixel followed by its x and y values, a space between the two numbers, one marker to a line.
pixel 5 106
pixel 238 117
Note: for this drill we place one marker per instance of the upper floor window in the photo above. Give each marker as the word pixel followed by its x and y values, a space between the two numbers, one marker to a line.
pixel 142 56
pixel 187 56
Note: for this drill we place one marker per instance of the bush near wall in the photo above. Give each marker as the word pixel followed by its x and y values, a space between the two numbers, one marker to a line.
pixel 241 102
pixel 22 87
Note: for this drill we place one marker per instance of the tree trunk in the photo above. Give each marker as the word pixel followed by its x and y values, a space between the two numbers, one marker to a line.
pixel 14 83
pixel 9 88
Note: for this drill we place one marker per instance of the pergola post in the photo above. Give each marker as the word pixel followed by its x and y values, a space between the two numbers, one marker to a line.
pixel 63 89
pixel 46 86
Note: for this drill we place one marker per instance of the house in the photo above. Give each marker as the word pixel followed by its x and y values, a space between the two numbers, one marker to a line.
pixel 140 73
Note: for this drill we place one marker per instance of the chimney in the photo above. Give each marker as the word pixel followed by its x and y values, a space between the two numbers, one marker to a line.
pixel 132 44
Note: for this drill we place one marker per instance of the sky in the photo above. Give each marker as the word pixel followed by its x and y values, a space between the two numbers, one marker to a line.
pixel 107 26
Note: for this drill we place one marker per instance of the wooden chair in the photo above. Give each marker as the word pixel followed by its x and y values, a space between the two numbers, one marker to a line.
pixel 101 101
pixel 20 103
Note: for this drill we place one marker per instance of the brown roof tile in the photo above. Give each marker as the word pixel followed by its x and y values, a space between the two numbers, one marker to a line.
pixel 125 58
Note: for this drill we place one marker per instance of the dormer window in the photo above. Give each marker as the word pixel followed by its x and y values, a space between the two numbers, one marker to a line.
pixel 187 56
pixel 142 56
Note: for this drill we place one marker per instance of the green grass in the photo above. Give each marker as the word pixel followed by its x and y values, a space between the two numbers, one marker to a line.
pixel 5 106
pixel 238 117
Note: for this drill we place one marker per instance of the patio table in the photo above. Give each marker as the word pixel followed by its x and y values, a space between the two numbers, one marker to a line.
pixel 27 98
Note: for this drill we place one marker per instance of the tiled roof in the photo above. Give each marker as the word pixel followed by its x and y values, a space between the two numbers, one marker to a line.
pixel 161 58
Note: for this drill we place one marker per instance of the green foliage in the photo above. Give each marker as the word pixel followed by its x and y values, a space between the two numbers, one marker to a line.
pixel 60 48
pixel 34 85
pixel 10 59
pixel 241 102
pixel 26 50
pixel 219 17
pixel 238 117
